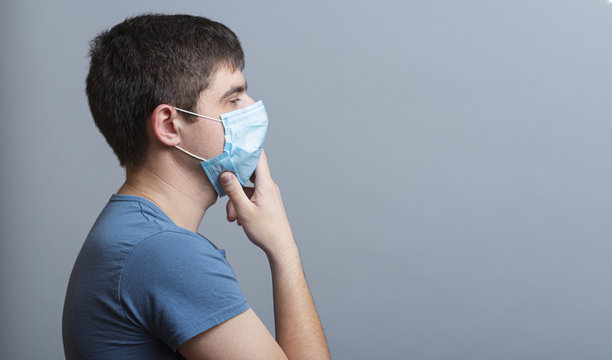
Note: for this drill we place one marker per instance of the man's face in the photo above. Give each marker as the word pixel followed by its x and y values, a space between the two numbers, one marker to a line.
pixel 226 92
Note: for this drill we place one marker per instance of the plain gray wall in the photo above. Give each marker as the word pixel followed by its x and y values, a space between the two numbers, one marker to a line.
pixel 445 166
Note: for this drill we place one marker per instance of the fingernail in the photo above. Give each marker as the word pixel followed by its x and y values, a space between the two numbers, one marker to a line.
pixel 226 178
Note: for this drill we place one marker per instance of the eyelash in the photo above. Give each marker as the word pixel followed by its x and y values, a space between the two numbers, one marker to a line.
pixel 234 101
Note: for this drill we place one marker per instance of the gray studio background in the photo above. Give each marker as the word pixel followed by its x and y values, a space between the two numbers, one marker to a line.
pixel 445 166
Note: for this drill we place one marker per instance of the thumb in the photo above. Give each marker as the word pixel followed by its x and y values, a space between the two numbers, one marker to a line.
pixel 234 190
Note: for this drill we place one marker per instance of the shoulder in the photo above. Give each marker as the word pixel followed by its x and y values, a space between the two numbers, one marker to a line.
pixel 171 252
pixel 177 285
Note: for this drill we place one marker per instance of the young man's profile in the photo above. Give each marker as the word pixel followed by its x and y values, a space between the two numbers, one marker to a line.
pixel 168 94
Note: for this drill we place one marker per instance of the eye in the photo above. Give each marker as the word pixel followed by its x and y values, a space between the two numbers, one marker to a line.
pixel 234 101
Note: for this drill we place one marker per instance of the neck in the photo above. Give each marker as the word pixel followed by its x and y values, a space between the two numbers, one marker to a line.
pixel 182 198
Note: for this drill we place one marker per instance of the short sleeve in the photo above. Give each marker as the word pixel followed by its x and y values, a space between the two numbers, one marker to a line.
pixel 177 286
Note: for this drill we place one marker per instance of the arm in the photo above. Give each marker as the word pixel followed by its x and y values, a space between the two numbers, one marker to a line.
pixel 242 337
pixel 298 329
pixel 263 218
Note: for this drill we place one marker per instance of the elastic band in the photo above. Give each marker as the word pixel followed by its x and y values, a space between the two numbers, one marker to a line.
pixel 196 114
pixel 188 153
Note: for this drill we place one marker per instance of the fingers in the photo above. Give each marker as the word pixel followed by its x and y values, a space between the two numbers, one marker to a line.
pixel 232 215
pixel 262 171
pixel 238 198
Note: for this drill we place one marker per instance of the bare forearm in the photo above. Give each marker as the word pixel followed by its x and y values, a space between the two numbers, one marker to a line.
pixel 263 218
pixel 298 328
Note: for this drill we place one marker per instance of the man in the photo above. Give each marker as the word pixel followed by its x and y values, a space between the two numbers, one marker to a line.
pixel 168 94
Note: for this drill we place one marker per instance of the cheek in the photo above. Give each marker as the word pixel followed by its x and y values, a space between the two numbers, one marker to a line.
pixel 213 140
pixel 207 141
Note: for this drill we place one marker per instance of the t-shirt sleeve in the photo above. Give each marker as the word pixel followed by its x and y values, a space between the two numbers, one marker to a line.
pixel 177 286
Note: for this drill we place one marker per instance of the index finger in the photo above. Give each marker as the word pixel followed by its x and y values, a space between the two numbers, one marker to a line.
pixel 262 171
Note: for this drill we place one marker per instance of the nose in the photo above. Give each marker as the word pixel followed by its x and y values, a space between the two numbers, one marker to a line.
pixel 249 100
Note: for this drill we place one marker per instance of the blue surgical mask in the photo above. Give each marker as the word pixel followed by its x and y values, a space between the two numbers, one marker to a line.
pixel 245 133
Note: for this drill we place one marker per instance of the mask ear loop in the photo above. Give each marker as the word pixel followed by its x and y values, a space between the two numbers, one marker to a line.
pixel 196 114
pixel 188 153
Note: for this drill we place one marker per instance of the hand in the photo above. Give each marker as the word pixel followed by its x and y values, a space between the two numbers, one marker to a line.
pixel 259 210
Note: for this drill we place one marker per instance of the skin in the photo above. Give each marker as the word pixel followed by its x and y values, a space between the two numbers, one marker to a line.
pixel 176 183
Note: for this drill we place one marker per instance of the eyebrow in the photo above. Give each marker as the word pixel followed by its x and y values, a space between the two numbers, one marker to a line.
pixel 234 90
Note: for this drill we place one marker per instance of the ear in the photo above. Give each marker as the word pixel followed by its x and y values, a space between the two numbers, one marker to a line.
pixel 165 125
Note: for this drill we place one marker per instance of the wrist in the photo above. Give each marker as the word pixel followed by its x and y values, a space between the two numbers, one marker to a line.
pixel 284 254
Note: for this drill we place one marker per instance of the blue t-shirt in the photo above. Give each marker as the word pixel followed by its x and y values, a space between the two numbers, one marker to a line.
pixel 142 286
